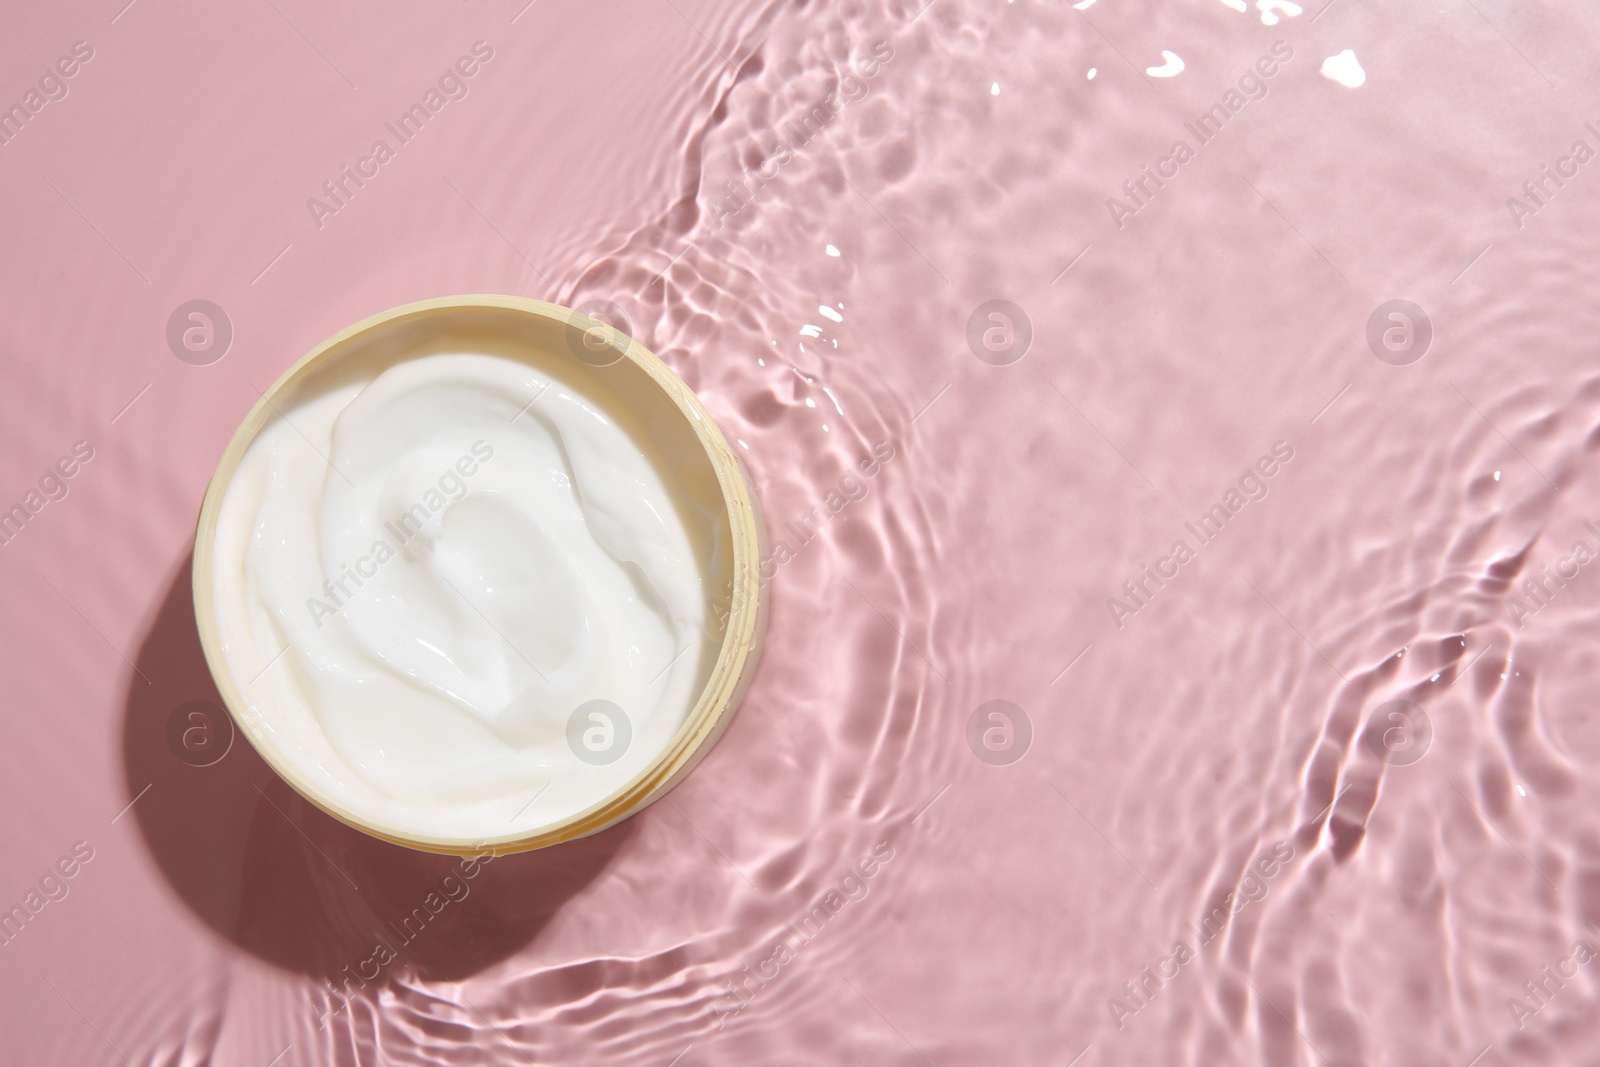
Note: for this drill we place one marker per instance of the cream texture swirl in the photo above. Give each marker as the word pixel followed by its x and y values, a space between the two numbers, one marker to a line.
pixel 424 578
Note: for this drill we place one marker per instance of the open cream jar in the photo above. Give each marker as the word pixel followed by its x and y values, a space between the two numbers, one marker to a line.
pixel 478 574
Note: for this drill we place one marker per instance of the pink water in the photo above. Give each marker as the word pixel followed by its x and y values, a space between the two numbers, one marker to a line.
pixel 1183 741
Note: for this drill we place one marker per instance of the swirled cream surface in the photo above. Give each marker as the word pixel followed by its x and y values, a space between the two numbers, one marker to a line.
pixel 457 596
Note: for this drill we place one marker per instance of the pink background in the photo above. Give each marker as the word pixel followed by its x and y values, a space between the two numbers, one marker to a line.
pixel 1168 755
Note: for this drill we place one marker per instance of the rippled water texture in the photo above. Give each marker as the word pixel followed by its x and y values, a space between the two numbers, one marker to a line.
pixel 1288 593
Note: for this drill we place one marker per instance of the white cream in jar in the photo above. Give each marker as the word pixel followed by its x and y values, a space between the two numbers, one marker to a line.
pixel 458 595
